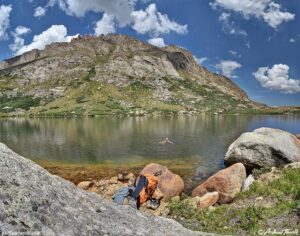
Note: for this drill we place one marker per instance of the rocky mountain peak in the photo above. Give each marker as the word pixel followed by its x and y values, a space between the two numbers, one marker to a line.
pixel 168 75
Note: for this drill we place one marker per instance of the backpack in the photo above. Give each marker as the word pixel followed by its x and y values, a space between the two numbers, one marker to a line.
pixel 145 187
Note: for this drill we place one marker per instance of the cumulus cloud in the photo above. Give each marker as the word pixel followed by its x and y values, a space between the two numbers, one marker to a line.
pixel 56 33
pixel 277 78
pixel 106 25
pixel 4 20
pixel 271 12
pixel 230 26
pixel 120 13
pixel 153 22
pixel 158 42
pixel 201 60
pixel 121 9
pixel 40 11
pixel 18 40
pixel 228 68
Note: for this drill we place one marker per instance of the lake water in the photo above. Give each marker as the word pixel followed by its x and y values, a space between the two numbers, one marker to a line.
pixel 201 140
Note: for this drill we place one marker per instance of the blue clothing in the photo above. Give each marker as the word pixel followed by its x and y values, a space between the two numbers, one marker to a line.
pixel 121 194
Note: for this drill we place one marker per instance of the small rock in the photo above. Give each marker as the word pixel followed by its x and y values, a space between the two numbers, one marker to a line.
pixel 94 189
pixel 85 185
pixel 158 195
pixel 129 176
pixel 120 177
pixel 113 180
pixel 250 180
pixel 131 181
pixel 298 136
pixel 294 165
pixel 125 202
pixel 102 183
pixel 208 200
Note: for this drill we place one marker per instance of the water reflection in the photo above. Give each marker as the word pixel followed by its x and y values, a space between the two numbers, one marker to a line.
pixel 202 139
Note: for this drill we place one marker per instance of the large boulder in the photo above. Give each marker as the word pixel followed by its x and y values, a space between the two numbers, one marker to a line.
pixel 34 202
pixel 169 184
pixel 227 183
pixel 264 147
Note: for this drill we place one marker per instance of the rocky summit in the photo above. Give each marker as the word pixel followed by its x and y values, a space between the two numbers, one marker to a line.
pixel 34 202
pixel 114 74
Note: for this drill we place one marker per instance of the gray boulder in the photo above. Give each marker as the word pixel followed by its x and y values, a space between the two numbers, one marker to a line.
pixel 34 202
pixel 264 147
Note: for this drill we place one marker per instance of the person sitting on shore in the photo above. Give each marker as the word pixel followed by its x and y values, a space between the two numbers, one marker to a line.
pixel 166 141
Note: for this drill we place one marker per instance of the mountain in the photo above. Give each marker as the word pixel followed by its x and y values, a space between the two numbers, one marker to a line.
pixel 114 74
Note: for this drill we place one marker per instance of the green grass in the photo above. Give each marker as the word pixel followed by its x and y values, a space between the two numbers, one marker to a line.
pixel 18 102
pixel 243 217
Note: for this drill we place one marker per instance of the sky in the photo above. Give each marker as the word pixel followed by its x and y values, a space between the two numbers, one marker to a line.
pixel 256 43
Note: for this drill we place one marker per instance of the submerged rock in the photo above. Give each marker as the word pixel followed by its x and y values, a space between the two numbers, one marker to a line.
pixel 228 183
pixel 264 147
pixel 32 201
pixel 169 184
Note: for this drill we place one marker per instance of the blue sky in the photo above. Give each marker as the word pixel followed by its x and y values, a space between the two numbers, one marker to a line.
pixel 254 42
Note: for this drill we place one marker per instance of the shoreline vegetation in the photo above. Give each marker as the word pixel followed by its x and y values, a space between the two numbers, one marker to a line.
pixel 141 113
pixel 272 202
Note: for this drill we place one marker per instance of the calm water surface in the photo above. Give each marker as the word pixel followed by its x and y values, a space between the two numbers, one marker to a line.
pixel 202 140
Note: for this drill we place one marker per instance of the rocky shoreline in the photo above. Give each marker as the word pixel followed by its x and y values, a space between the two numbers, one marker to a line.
pixel 223 187
pixel 35 201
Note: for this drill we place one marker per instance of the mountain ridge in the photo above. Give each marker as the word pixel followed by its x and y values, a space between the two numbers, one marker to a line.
pixel 115 74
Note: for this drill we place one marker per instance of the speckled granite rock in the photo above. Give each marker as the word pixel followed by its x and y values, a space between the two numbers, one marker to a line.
pixel 33 201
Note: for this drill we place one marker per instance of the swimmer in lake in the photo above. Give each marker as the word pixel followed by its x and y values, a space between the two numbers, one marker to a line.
pixel 166 141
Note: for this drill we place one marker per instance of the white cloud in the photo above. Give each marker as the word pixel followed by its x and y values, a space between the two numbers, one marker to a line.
pixel 121 9
pixel 271 12
pixel 18 40
pixel 56 33
pixel 40 11
pixel 121 13
pixel 229 26
pixel 158 42
pixel 235 53
pixel 106 25
pixel 292 40
pixel 4 20
pixel 201 60
pixel 228 68
pixel 21 30
pixel 277 78
pixel 153 22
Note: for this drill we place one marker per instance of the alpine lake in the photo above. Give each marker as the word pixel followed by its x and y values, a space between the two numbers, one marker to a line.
pixel 91 148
